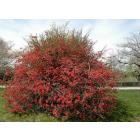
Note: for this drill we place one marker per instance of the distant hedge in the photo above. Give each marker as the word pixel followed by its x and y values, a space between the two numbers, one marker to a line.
pixel 130 84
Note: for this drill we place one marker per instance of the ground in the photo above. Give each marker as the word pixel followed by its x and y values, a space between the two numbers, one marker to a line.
pixel 131 98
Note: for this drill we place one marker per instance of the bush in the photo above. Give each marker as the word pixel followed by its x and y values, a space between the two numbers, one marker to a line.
pixel 62 76
pixel 6 75
pixel 120 114
pixel 129 84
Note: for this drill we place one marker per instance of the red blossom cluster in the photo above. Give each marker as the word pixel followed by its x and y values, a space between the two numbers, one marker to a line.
pixel 63 80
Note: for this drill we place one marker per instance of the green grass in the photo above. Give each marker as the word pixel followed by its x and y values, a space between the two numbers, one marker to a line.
pixel 128 110
pixel 132 100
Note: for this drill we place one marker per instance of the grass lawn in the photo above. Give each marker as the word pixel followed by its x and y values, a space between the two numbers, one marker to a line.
pixel 131 98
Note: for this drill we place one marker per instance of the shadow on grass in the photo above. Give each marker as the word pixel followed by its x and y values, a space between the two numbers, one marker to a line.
pixel 121 114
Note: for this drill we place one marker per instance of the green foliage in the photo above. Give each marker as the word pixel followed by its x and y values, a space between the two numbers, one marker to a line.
pixel 128 75
pixel 121 114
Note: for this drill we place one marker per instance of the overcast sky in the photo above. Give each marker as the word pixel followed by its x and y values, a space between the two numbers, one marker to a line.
pixel 107 33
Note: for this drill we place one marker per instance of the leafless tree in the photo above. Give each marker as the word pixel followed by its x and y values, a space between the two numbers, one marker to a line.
pixel 129 53
pixel 112 61
pixel 5 53
pixel 6 57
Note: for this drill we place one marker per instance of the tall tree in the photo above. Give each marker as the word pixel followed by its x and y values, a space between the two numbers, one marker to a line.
pixel 6 57
pixel 130 53
pixel 5 53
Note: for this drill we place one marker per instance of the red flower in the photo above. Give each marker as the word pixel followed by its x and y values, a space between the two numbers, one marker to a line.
pixel 62 76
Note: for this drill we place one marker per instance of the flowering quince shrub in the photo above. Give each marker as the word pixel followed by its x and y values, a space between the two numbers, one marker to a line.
pixel 61 75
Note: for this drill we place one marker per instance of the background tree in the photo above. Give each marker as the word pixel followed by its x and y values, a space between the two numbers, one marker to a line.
pixel 129 54
pixel 6 58
pixel 5 54
pixel 112 61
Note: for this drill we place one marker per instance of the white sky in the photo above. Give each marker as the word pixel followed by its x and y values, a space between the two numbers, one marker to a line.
pixel 107 33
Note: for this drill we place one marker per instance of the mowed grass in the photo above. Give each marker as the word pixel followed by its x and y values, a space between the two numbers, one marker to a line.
pixel 6 116
pixel 130 98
